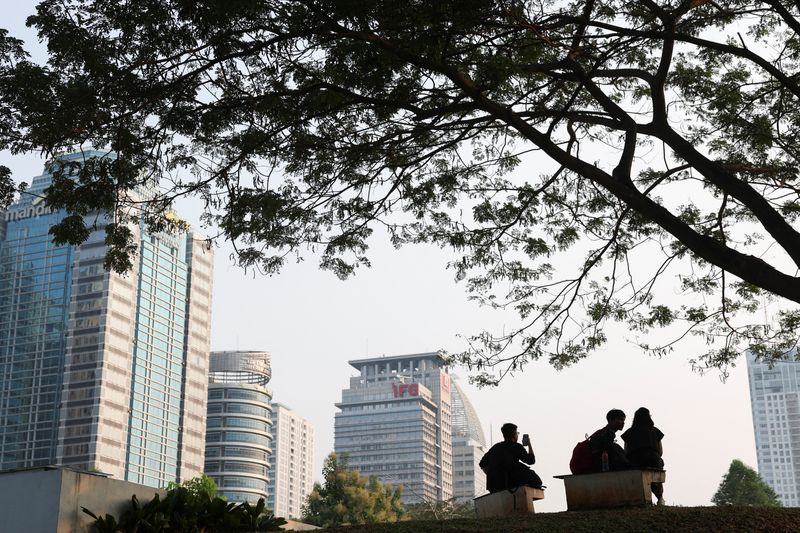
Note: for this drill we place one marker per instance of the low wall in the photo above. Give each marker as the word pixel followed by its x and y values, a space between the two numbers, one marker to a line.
pixel 50 499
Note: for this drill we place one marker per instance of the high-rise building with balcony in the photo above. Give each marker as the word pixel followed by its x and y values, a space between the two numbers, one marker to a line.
pixel 291 463
pixel 98 370
pixel 775 401
pixel 239 423
pixel 469 445
pixel 394 423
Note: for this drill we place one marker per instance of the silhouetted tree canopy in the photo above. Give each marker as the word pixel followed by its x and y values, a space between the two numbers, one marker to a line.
pixel 743 486
pixel 589 161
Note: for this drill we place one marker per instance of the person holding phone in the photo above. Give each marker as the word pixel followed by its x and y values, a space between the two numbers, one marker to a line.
pixel 503 463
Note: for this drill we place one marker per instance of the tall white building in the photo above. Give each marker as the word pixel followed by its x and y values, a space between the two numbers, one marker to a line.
pixel 98 370
pixel 291 462
pixel 394 423
pixel 775 401
pixel 469 445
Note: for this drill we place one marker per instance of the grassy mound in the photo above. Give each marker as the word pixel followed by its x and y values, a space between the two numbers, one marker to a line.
pixel 650 519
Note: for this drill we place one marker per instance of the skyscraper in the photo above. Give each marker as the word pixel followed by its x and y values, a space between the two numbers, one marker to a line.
pixel 394 423
pixel 239 424
pixel 775 401
pixel 291 462
pixel 100 370
pixel 469 445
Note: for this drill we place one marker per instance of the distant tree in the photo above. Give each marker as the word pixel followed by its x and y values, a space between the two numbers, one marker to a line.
pixel 440 510
pixel 743 486
pixel 661 141
pixel 202 485
pixel 347 497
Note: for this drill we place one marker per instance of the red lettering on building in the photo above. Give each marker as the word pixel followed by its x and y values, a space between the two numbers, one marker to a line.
pixel 401 389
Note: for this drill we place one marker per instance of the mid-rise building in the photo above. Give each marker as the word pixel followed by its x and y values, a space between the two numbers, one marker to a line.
pixel 775 401
pixel 291 462
pixel 98 370
pixel 394 423
pixel 469 445
pixel 239 424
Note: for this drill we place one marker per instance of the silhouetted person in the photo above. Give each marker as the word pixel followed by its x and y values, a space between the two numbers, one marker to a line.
pixel 502 463
pixel 602 440
pixel 643 447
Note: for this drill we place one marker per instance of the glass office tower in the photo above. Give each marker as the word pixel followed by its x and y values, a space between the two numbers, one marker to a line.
pixel 35 290
pixel 239 424
pixel 97 370
pixel 394 423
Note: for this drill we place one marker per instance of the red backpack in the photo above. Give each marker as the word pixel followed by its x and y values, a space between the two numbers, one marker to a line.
pixel 581 462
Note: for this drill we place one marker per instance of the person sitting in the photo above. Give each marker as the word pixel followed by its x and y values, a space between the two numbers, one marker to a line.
pixel 502 463
pixel 643 447
pixel 603 442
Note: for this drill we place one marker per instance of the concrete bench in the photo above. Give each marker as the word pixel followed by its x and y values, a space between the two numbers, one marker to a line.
pixel 610 489
pixel 506 502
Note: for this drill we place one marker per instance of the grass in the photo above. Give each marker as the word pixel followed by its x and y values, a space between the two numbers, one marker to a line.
pixel 649 519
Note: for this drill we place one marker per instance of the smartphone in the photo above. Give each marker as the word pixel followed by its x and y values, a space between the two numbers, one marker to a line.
pixel 526 440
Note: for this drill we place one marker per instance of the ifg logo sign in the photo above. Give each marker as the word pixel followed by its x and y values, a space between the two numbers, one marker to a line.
pixel 400 390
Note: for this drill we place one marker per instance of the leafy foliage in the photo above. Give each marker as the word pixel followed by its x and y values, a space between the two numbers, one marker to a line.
pixel 651 147
pixel 347 497
pixel 191 507
pixel 202 486
pixel 11 51
pixel 743 486
pixel 441 510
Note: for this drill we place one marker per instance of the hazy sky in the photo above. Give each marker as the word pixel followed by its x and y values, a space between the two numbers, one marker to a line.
pixel 312 324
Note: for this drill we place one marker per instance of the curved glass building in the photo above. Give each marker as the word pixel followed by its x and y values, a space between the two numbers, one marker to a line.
pixel 469 445
pixel 238 425
pixel 465 421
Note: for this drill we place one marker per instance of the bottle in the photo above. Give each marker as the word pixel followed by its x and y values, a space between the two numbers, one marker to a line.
pixel 604 458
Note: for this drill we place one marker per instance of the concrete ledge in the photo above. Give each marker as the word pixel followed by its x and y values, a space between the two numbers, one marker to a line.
pixel 610 489
pixel 294 525
pixel 49 499
pixel 507 502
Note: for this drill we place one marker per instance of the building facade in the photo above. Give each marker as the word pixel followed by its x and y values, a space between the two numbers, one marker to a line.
pixel 98 370
pixel 469 445
pixel 291 462
pixel 239 423
pixel 394 423
pixel 775 401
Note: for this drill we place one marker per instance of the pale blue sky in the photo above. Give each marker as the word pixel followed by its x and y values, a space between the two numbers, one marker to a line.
pixel 312 323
